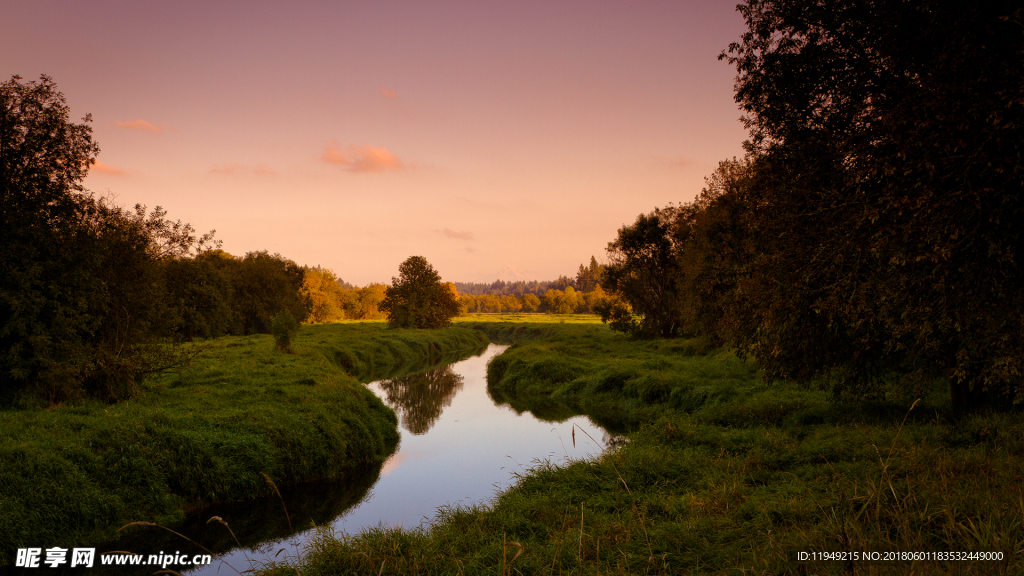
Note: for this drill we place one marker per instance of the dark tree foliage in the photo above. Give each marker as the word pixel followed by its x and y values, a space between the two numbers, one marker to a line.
pixel 643 271
pixel 263 285
pixel 889 184
pixel 81 293
pixel 418 299
pixel 199 295
pixel 172 239
pixel 715 247
pixel 43 294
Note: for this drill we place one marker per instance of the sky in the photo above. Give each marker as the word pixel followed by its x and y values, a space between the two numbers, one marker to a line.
pixel 484 136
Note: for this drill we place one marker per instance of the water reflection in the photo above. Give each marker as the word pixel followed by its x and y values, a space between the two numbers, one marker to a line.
pixel 544 407
pixel 420 398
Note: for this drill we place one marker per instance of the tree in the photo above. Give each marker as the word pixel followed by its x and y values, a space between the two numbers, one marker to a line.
pixel 713 235
pixel 644 271
pixel 890 189
pixel 323 294
pixel 83 305
pixel 370 297
pixel 531 303
pixel 589 277
pixel 418 299
pixel 264 284
pixel 44 295
pixel 199 296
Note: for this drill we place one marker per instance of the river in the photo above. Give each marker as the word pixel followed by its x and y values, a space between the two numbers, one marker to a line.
pixel 458 447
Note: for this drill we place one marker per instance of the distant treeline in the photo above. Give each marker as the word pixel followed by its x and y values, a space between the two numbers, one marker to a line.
pixel 585 280
pixel 567 301
pixel 873 238
pixel 565 295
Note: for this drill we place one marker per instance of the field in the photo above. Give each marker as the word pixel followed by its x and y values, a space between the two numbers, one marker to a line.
pixel 719 473
pixel 73 474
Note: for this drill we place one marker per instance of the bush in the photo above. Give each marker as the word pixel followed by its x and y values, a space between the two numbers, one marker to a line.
pixel 285 328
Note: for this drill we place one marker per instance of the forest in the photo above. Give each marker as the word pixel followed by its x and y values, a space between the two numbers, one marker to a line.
pixel 871 239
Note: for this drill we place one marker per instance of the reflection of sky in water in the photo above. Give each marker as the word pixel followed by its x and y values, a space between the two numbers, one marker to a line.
pixel 469 453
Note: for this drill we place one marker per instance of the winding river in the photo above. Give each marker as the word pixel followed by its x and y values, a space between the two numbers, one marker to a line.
pixel 458 447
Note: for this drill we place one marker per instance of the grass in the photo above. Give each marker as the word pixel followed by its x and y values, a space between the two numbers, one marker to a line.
pixel 720 474
pixel 209 433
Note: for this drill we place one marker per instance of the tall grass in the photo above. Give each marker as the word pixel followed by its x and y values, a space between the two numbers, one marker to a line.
pixel 720 474
pixel 73 474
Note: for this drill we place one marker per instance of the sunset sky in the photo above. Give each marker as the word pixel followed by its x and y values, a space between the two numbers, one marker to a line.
pixel 355 134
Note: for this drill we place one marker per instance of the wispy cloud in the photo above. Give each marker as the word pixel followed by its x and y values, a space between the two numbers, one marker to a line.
pixel 363 158
pixel 142 125
pixel 235 168
pixel 456 235
pixel 108 169
pixel 389 93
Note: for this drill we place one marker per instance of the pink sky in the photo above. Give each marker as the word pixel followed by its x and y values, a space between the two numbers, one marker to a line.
pixel 353 135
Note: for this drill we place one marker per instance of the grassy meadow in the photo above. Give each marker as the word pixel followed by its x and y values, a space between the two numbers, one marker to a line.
pixel 720 473
pixel 73 474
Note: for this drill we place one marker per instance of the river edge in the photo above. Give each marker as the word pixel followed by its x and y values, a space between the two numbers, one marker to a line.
pixel 723 474
pixel 209 433
pixel 457 447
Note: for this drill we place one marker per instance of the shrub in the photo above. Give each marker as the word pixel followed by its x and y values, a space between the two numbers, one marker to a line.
pixel 284 327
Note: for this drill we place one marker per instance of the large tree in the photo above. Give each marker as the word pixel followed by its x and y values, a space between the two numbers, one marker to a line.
pixel 644 271
pixel 889 183
pixel 418 299
pixel 80 291
pixel 43 294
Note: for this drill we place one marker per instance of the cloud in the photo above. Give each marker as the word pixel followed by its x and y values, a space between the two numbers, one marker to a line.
pixel 457 235
pixel 389 93
pixel 363 158
pixel 235 168
pixel 108 169
pixel 142 125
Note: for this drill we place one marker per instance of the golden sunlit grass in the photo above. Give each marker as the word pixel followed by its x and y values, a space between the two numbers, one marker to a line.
pixel 528 318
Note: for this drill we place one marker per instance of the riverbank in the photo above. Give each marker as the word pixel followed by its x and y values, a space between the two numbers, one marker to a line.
pixel 74 474
pixel 721 473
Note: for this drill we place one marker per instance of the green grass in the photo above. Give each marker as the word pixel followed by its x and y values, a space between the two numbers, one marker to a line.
pixel 74 474
pixel 720 474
